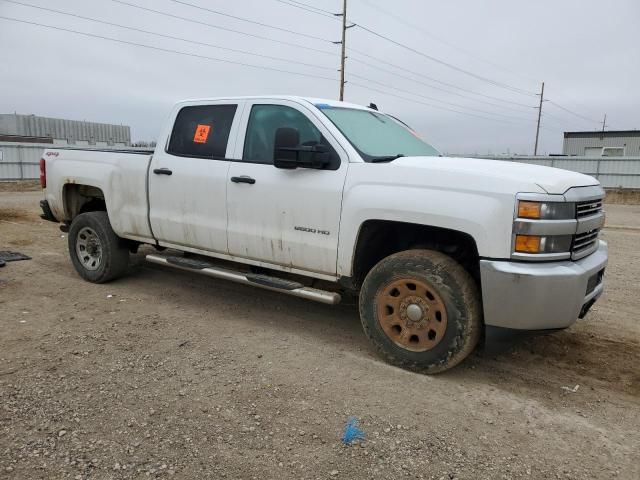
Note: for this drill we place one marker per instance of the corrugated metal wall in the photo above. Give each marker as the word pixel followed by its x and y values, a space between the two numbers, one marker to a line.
pixel 577 145
pixel 71 130
pixel 21 161
pixel 612 172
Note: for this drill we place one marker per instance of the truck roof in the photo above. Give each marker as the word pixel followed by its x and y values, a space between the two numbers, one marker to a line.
pixel 295 98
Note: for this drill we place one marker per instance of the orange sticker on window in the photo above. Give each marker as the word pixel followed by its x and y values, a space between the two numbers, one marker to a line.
pixel 202 133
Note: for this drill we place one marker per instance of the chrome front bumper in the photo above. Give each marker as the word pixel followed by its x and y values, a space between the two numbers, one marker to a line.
pixel 541 296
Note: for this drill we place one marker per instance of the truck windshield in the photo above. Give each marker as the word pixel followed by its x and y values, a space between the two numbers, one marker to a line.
pixel 377 137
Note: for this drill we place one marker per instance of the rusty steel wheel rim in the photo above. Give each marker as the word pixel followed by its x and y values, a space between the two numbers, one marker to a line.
pixel 412 314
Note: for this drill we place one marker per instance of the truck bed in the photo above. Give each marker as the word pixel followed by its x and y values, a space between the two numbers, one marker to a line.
pixel 119 176
pixel 134 150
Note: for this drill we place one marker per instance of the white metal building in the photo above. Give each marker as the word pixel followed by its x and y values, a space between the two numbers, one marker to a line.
pixel 33 129
pixel 610 143
pixel 24 137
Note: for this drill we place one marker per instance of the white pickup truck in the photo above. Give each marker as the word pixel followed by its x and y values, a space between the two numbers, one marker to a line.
pixel 318 198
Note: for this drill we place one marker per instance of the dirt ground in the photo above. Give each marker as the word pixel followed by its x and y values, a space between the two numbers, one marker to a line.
pixel 173 375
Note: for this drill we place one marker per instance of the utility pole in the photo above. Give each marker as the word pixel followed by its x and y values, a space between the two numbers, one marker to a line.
pixel 535 148
pixel 343 57
pixel 604 123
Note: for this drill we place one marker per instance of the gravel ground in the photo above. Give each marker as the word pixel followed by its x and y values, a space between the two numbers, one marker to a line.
pixel 171 375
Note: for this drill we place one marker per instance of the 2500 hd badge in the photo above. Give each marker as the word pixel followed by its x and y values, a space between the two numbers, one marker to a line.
pixel 312 230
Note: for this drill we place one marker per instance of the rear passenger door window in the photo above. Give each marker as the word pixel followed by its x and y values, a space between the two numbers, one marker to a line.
pixel 202 131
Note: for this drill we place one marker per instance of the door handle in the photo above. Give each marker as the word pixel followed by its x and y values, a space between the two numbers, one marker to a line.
pixel 243 179
pixel 162 171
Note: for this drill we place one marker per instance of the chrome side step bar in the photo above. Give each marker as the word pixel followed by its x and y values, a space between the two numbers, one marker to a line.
pixel 263 281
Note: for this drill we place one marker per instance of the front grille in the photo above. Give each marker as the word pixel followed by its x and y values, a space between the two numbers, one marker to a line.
pixel 584 241
pixel 584 209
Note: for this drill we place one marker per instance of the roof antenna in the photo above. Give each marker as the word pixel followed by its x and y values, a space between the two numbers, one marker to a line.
pixel 373 106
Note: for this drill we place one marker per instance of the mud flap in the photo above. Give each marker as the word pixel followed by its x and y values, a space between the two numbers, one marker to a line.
pixel 46 212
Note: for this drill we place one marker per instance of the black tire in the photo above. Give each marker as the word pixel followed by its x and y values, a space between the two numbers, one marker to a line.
pixel 113 255
pixel 458 295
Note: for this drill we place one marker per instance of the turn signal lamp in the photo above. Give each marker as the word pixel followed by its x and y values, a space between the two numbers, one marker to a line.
pixel 528 243
pixel 529 209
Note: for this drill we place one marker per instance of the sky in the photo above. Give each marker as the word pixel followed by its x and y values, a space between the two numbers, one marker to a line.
pixel 464 74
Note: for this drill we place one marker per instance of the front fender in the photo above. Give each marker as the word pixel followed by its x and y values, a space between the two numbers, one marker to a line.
pixel 486 217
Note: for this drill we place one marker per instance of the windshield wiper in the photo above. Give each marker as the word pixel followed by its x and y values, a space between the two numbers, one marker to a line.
pixel 388 158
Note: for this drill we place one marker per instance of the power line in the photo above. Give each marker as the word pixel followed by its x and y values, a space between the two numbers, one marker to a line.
pixel 438 100
pixel 493 82
pixel 216 46
pixel 308 8
pixel 446 64
pixel 290 44
pixel 559 121
pixel 161 49
pixel 423 31
pixel 396 74
pixel 308 5
pixel 224 60
pixel 366 87
pixel 552 121
pixel 556 121
pixel 574 113
pixel 355 59
pixel 282 59
pixel 295 3
pixel 242 19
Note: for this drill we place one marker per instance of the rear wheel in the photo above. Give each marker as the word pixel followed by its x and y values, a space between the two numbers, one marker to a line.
pixel 421 310
pixel 97 253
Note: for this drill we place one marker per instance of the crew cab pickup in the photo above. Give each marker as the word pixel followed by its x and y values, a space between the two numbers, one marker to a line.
pixel 319 198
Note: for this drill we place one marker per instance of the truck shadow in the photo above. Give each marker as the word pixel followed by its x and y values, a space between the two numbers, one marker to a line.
pixel 565 358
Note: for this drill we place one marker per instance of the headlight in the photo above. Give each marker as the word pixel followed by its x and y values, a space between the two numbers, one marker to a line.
pixel 542 244
pixel 543 229
pixel 546 210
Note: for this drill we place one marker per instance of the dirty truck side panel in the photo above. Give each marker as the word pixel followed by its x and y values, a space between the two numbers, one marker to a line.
pixel 188 208
pixel 444 199
pixel 120 176
pixel 287 217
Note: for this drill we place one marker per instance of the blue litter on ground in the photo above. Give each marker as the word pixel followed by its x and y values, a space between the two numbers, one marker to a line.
pixel 352 431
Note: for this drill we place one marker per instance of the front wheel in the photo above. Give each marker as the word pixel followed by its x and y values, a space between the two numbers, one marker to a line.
pixel 421 310
pixel 97 253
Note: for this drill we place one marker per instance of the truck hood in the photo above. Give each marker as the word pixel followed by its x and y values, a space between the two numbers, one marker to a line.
pixel 551 180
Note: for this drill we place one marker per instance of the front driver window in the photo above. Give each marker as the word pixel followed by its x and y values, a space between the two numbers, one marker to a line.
pixel 264 120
